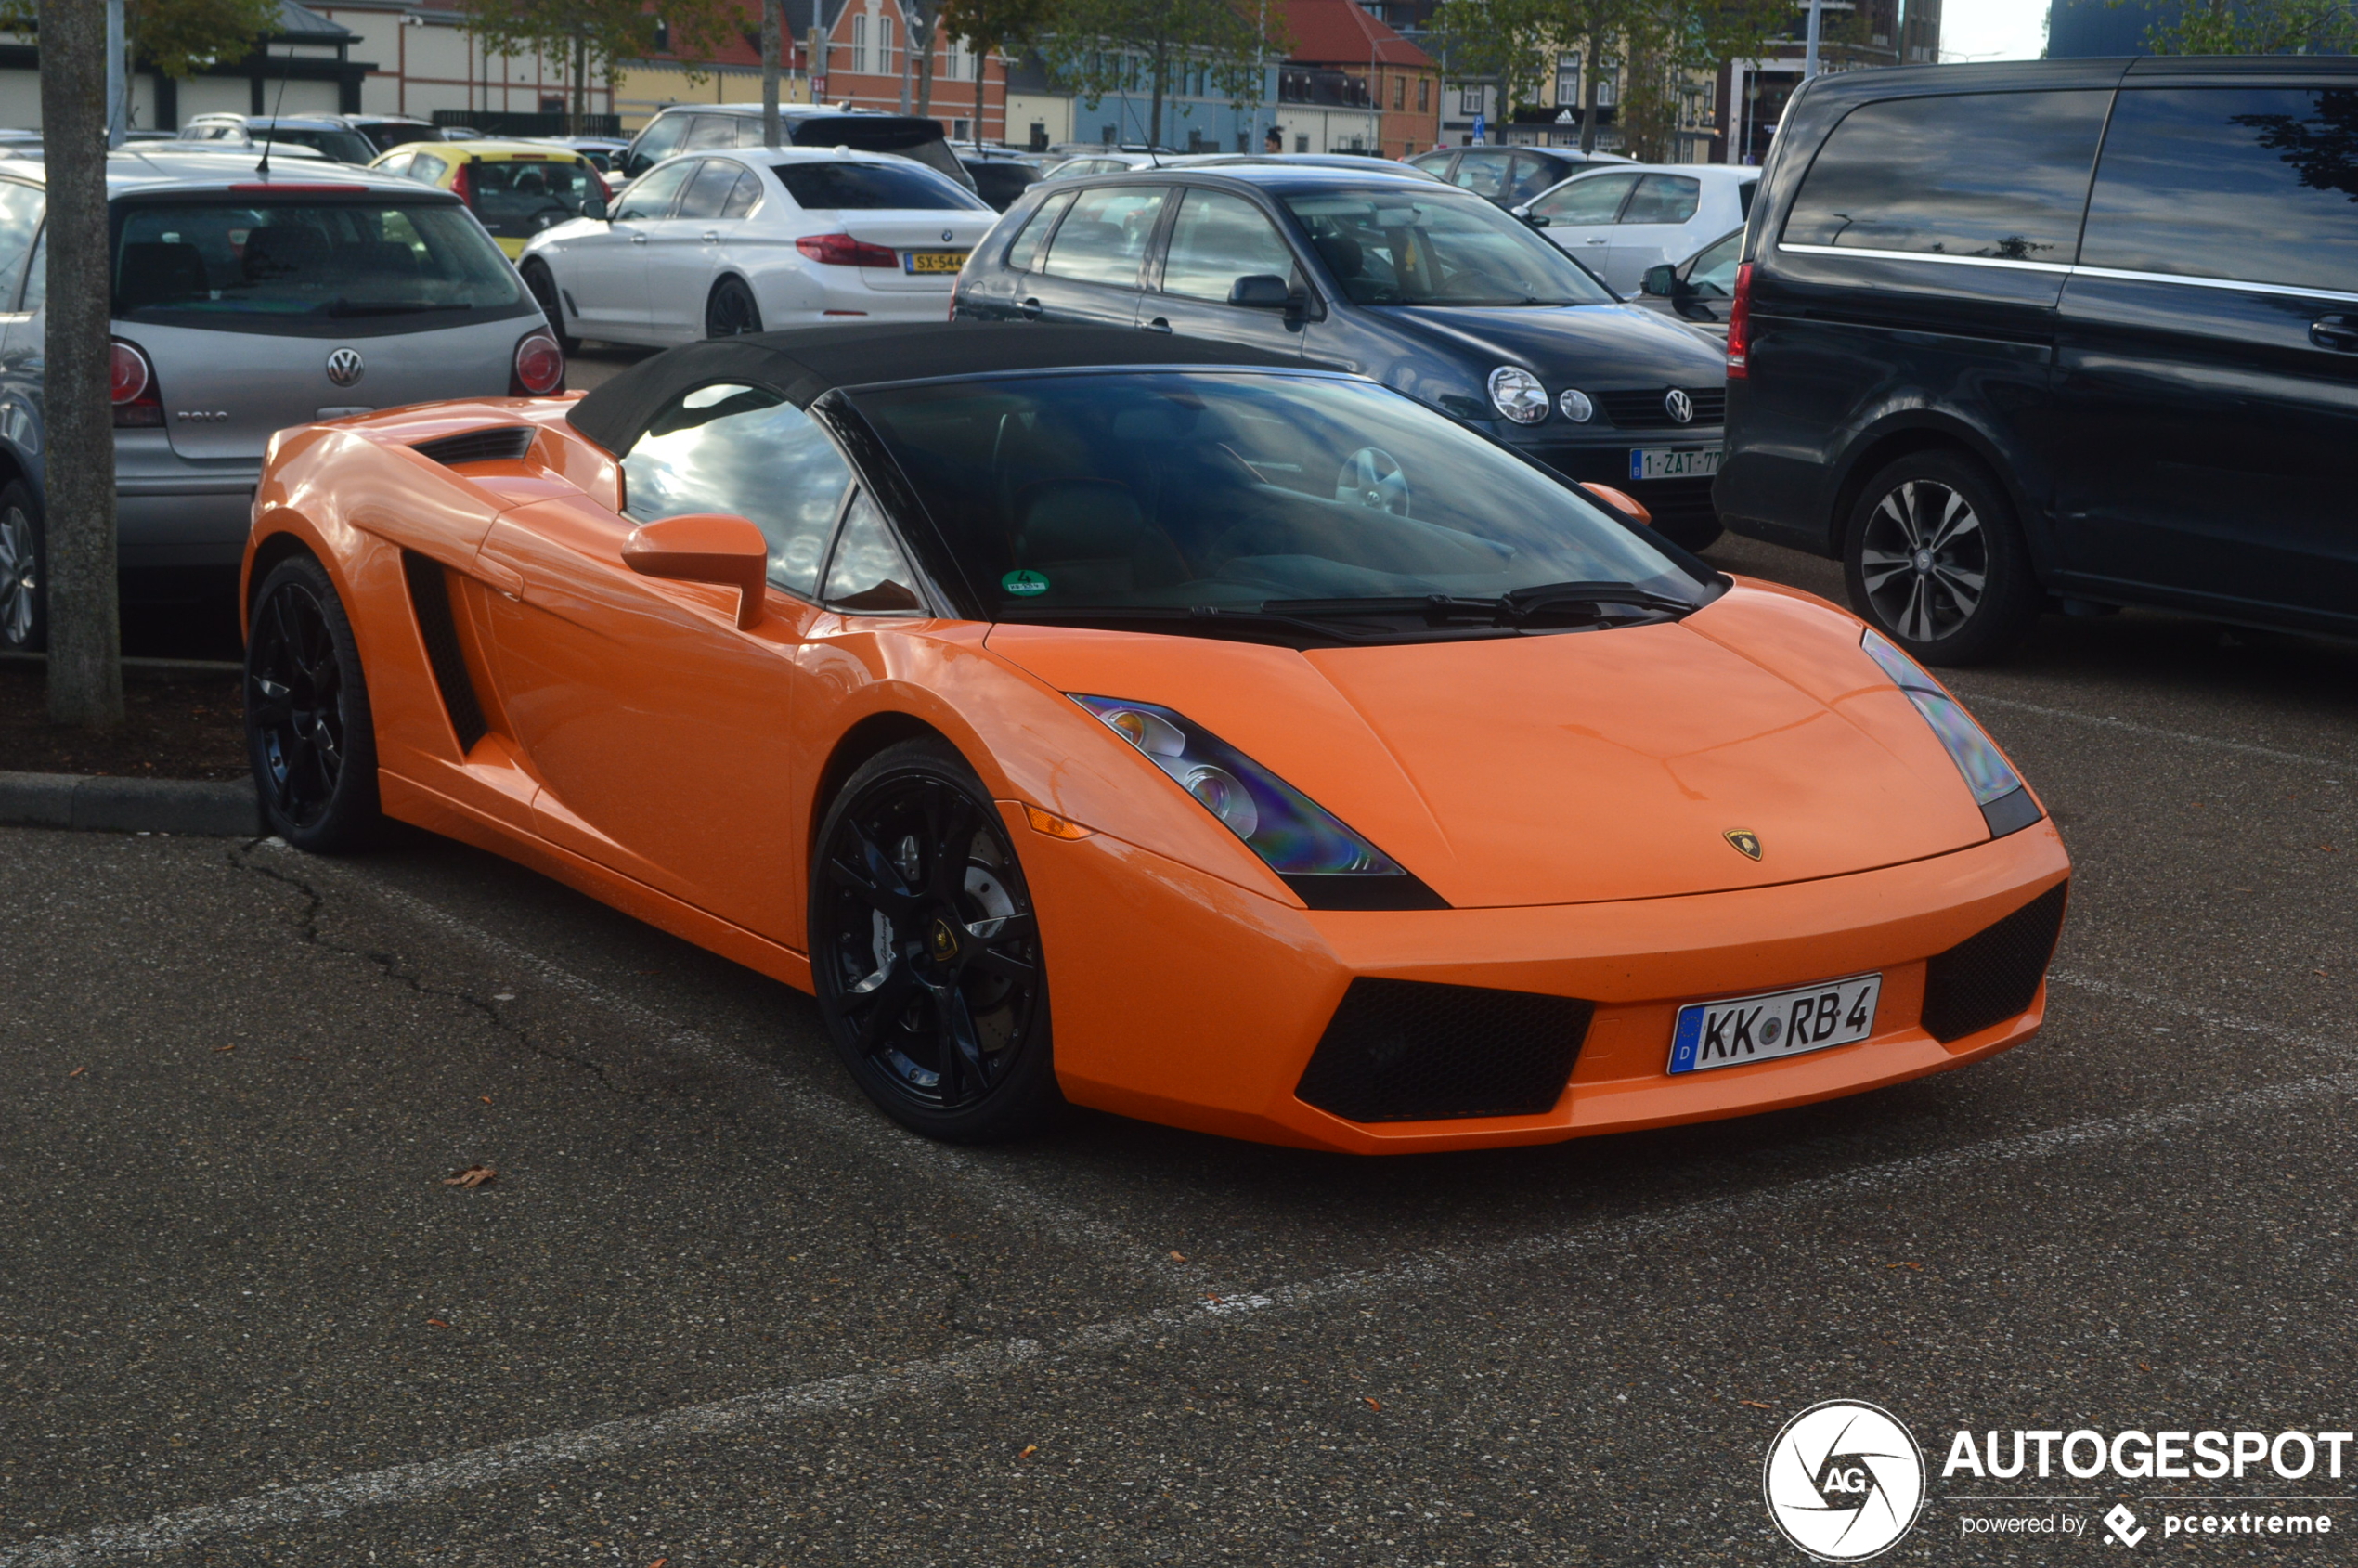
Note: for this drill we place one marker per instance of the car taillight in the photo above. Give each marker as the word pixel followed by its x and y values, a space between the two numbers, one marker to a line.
pixel 540 367
pixel 460 188
pixel 137 403
pixel 1740 325
pixel 842 250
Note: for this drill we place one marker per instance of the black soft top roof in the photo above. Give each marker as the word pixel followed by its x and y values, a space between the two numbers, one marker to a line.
pixel 810 361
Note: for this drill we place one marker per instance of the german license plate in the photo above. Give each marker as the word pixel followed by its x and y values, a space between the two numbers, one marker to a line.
pixel 1778 1023
pixel 1674 462
pixel 933 261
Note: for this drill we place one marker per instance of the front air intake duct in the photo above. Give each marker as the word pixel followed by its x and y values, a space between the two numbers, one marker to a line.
pixel 1409 1051
pixel 1993 975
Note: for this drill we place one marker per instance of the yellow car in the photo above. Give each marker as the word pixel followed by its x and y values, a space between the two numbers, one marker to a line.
pixel 517 189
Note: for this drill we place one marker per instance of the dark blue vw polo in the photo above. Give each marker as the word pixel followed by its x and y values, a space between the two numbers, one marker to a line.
pixel 1428 288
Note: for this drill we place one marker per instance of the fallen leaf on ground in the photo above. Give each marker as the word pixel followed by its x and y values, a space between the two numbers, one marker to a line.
pixel 1371 1404
pixel 1182 1257
pixel 231 1046
pixel 80 1070
pixel 436 1323
pixel 1029 1449
pixel 2143 1367
pixel 487 1100
pixel 474 1175
pixel 1754 1402
pixel 659 1562
pixel 1918 1267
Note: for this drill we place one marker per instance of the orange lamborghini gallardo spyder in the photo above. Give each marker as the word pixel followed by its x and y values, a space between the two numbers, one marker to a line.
pixel 1086 717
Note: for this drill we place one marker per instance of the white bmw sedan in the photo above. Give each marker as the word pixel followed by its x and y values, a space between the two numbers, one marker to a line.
pixel 753 240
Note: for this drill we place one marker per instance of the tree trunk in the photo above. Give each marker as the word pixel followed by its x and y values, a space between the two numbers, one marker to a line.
pixel 1154 115
pixel 1590 71
pixel 925 67
pixel 980 49
pixel 580 86
pixel 85 632
pixel 773 26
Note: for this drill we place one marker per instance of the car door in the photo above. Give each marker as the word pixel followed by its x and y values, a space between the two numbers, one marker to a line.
pixel 1217 237
pixel 23 289
pixel 1096 261
pixel 1579 215
pixel 660 729
pixel 2207 359
pixel 684 251
pixel 605 270
pixel 1652 227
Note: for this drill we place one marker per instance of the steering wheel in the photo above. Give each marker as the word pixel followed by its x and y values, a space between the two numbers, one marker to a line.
pixel 1371 477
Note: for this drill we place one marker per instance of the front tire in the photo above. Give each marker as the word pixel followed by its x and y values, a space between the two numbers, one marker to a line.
pixel 731 311
pixel 1935 559
pixel 543 285
pixel 309 731
pixel 24 595
pixel 925 950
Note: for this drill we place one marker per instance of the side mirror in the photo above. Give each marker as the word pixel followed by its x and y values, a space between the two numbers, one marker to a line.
pixel 1622 501
pixel 1660 281
pixel 1262 291
pixel 704 546
pixel 1534 219
pixel 594 207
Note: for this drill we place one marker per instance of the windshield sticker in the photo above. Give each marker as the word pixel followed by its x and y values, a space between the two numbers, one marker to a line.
pixel 1023 585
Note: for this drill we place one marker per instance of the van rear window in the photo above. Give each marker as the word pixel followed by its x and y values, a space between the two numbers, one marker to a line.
pixel 1998 174
pixel 250 262
pixel 870 185
pixel 911 137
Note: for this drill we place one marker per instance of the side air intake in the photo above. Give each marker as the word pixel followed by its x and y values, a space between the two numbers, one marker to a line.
pixel 430 601
pixel 1410 1051
pixel 1991 976
pixel 504 442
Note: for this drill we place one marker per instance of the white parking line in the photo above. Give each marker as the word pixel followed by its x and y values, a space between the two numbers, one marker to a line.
pixel 327 1499
pixel 2188 1010
pixel 2105 721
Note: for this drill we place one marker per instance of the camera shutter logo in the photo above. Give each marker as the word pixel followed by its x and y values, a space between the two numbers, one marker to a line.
pixel 1844 1481
pixel 1678 405
pixel 345 367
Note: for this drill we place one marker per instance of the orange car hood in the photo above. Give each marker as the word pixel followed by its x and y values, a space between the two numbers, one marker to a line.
pixel 1575 767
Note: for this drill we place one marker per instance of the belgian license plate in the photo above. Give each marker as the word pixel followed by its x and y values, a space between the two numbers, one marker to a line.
pixel 1778 1023
pixel 1674 462
pixel 933 261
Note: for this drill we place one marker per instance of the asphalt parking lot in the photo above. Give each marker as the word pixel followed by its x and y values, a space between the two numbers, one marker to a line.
pixel 712 1310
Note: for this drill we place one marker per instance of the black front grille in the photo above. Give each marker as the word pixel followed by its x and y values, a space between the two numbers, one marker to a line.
pixel 499 443
pixel 1406 1051
pixel 1672 501
pixel 1991 976
pixel 1648 410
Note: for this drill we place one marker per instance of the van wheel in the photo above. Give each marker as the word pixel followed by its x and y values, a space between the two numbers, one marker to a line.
pixel 24 627
pixel 731 311
pixel 544 293
pixel 1936 562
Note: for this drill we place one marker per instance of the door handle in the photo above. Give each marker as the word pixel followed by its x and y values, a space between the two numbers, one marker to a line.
pixel 1029 309
pixel 1592 241
pixel 637 239
pixel 711 237
pixel 2338 332
pixel 1158 325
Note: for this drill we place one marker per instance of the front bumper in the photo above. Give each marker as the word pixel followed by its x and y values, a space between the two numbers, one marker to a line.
pixel 1184 999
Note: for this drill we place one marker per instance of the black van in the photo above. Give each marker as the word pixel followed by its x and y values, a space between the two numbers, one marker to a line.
pixel 696 127
pixel 2071 333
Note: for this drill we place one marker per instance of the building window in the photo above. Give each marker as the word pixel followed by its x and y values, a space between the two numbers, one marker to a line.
pixel 1424 94
pixel 1567 79
pixel 1469 100
pixel 1399 93
pixel 1106 135
pixel 960 129
pixel 1301 143
pixel 552 105
pixel 860 45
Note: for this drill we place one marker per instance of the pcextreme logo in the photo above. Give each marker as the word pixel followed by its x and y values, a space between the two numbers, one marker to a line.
pixel 1844 1481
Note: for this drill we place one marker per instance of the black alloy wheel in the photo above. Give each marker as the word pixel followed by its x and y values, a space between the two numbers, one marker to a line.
pixel 1934 559
pixel 925 953
pixel 731 311
pixel 537 278
pixel 309 727
pixel 23 598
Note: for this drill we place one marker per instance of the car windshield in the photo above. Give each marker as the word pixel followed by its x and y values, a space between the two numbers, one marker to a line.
pixel 1069 492
pixel 390 134
pixel 349 146
pixel 516 198
pixel 198 261
pixel 848 186
pixel 1403 247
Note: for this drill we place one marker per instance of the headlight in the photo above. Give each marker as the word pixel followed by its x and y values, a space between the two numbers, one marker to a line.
pixel 1575 406
pixel 1329 866
pixel 1517 394
pixel 1996 788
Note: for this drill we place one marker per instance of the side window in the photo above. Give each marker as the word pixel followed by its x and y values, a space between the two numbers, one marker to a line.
pixel 1104 238
pixel 650 197
pixel 1431 162
pixel 744 196
pixel 661 139
pixel 706 132
pixel 1594 199
pixel 1024 254
pixel 746 450
pixel 397 164
pixel 2000 175
pixel 707 190
pixel 2253 183
pixel 1663 198
pixel 1714 272
pixel 20 222
pixel 869 576
pixel 427 167
pixel 1217 239
pixel 1744 198
pixel 1485 174
pixel 1535 173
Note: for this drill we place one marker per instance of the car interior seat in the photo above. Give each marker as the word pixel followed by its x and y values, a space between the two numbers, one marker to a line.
pixel 1089 540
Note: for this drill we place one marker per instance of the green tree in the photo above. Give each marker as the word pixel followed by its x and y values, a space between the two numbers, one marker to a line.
pixel 2256 27
pixel 993 27
pixel 597 38
pixel 1098 48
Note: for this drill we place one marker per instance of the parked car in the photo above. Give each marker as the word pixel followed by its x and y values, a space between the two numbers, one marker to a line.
pixel 1355 779
pixel 604 153
pixel 1355 162
pixel 2063 333
pixel 1697 291
pixel 1429 289
pixel 1509 175
pixel 1622 221
pixel 325 134
pixel 710 127
pixel 517 189
pixel 743 241
pixel 244 304
pixel 1112 161
pixel 1000 174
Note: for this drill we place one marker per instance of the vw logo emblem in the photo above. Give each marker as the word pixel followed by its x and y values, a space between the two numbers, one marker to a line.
pixel 1681 407
pixel 345 367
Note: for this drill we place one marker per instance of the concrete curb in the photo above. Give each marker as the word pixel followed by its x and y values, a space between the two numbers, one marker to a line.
pixel 112 804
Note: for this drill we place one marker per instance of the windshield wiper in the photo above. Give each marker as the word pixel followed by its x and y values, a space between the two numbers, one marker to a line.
pixel 387 307
pixel 1511 609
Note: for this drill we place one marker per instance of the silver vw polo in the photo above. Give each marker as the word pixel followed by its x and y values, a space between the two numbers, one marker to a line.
pixel 246 300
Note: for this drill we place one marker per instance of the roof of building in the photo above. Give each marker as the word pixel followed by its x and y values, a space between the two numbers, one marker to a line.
pixel 1340 33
